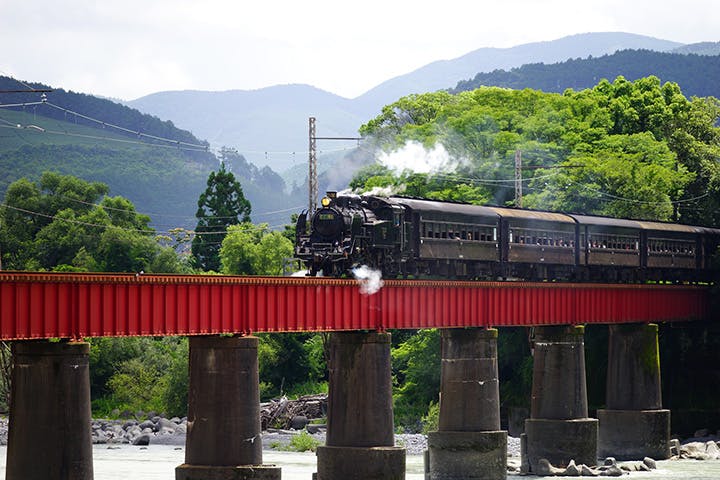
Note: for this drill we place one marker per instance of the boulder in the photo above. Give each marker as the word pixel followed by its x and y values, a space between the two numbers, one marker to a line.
pixel 612 471
pixel 650 463
pixel 166 424
pixel 571 470
pixel 147 424
pixel 298 422
pixel 142 440
pixel 545 468
pixel 712 450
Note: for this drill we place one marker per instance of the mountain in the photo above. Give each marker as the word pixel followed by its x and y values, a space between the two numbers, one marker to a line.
pixel 696 74
pixel 702 48
pixel 269 126
pixel 275 119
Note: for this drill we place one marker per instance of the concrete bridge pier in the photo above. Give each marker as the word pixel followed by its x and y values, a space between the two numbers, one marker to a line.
pixel 469 444
pixel 360 433
pixel 634 425
pixel 559 429
pixel 224 435
pixel 49 437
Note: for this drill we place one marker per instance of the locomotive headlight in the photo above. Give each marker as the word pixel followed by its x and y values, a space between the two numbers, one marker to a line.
pixel 325 202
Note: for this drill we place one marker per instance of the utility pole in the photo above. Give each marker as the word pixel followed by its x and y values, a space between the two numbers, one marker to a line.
pixel 312 163
pixel 312 169
pixel 518 179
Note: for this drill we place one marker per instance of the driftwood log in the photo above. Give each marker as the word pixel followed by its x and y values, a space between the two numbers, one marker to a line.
pixel 279 413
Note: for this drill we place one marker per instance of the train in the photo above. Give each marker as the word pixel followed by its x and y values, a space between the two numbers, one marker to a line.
pixel 417 238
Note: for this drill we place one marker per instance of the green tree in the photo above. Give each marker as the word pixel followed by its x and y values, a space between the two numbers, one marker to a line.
pixel 416 377
pixel 254 250
pixel 222 204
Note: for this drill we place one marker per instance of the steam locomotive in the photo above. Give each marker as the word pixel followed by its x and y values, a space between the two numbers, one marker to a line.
pixel 409 237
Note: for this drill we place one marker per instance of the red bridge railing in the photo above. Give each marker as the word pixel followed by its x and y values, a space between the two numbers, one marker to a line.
pixel 45 305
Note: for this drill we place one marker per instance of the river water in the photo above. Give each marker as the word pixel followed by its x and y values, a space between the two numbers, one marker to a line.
pixel 158 462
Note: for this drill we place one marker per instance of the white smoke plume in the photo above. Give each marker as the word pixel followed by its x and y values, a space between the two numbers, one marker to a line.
pixel 370 280
pixel 415 157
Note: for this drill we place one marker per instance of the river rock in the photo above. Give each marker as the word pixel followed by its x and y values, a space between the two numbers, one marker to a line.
pixel 147 424
pixel 674 447
pixel 612 471
pixel 545 468
pixel 142 440
pixel 712 450
pixel 650 463
pixel 571 470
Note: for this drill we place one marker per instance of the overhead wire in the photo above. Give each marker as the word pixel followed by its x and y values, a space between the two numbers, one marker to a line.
pixel 127 229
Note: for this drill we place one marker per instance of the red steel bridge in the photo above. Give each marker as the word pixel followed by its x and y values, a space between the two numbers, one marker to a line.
pixel 54 305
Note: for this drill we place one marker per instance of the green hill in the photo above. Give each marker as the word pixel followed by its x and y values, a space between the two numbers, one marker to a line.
pixel 162 178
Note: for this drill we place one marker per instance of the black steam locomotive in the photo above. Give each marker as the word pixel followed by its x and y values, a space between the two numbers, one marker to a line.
pixel 407 237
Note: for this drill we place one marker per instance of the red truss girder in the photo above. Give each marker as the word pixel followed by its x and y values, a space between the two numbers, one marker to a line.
pixel 42 305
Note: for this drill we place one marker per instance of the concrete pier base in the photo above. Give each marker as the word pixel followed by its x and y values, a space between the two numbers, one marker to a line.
pixel 360 432
pixel 467 455
pixel 559 429
pixel 469 443
pixel 559 441
pixel 634 434
pixel 49 437
pixel 634 425
pixel 371 463
pixel 224 435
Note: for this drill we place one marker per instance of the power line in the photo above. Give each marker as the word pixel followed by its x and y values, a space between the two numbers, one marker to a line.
pixel 149 231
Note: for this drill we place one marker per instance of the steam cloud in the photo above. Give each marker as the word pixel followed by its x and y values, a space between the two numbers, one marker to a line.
pixel 370 280
pixel 415 157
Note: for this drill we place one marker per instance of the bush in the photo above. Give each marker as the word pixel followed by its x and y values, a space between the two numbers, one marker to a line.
pixel 303 442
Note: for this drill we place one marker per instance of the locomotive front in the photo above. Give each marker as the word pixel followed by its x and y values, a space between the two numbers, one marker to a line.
pixel 328 242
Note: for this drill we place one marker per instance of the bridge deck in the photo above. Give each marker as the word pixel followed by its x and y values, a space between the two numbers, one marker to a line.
pixel 45 305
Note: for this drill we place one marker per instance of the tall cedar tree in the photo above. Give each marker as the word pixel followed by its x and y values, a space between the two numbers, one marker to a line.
pixel 221 205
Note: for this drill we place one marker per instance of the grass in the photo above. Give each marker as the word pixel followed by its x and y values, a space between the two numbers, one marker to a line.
pixel 302 442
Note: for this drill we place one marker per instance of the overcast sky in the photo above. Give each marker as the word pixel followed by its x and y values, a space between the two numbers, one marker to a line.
pixel 130 48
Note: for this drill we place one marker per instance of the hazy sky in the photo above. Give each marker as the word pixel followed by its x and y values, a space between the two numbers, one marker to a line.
pixel 130 48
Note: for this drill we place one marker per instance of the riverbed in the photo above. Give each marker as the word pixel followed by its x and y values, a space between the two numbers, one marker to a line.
pixel 158 462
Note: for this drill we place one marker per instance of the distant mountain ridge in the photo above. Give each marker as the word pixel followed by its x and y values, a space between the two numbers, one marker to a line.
pixel 275 118
pixel 696 74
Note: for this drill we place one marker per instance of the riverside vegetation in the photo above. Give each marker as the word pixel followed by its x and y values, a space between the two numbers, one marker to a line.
pixel 629 149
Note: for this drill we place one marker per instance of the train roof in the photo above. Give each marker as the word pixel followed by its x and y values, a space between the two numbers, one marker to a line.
pixel 532 215
pixel 437 206
pixel 445 207
pixel 606 221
